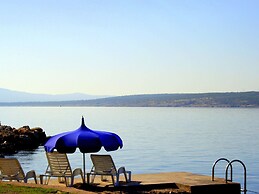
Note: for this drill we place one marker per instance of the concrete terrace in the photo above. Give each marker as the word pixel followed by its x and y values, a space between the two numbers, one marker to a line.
pixel 171 182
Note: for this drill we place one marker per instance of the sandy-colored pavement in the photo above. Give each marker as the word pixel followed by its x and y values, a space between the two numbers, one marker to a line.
pixel 185 179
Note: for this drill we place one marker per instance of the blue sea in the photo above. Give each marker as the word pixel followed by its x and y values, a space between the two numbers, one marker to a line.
pixel 155 139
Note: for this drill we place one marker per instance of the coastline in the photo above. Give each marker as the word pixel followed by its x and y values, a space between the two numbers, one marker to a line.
pixel 222 100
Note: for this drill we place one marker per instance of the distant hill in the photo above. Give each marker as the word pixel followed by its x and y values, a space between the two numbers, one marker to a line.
pixel 228 99
pixel 17 96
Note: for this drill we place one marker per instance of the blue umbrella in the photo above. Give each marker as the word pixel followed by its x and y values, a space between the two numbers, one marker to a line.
pixel 87 140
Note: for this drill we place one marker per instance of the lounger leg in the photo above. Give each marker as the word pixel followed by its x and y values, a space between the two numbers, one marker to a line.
pixel 66 181
pixel 87 178
pixel 93 176
pixel 72 181
pixel 41 179
pixel 125 175
pixel 113 181
pixel 129 178
pixel 117 180
pixel 47 180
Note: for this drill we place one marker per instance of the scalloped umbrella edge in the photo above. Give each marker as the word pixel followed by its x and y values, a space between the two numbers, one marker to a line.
pixel 87 140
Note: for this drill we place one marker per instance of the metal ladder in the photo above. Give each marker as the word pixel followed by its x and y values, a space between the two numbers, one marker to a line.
pixel 214 165
pixel 231 171
pixel 230 164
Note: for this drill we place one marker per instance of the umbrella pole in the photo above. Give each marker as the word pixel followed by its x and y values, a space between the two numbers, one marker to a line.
pixel 84 165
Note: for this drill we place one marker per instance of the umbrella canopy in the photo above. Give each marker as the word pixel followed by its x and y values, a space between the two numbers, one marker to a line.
pixel 87 140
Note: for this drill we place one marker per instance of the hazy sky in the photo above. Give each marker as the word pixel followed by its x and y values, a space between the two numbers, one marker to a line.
pixel 121 47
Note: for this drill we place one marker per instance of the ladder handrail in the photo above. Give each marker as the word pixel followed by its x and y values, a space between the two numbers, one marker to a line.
pixel 213 168
pixel 230 164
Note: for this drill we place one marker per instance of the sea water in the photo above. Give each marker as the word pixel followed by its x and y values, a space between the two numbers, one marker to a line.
pixel 155 139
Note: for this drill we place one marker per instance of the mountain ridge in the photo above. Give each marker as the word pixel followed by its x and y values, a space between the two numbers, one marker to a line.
pixel 12 96
pixel 217 99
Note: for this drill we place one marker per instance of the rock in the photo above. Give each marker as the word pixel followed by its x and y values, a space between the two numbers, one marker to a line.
pixel 13 140
pixel 38 129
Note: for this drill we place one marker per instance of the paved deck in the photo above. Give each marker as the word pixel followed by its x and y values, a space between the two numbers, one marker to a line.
pixel 184 182
pixel 192 183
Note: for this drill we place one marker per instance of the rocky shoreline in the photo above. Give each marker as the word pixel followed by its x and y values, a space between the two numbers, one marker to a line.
pixel 13 140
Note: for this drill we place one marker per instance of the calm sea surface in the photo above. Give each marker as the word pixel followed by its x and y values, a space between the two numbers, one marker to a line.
pixel 155 139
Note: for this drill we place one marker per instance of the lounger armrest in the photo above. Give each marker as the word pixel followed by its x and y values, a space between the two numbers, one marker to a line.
pixel 30 174
pixel 122 170
pixel 77 171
